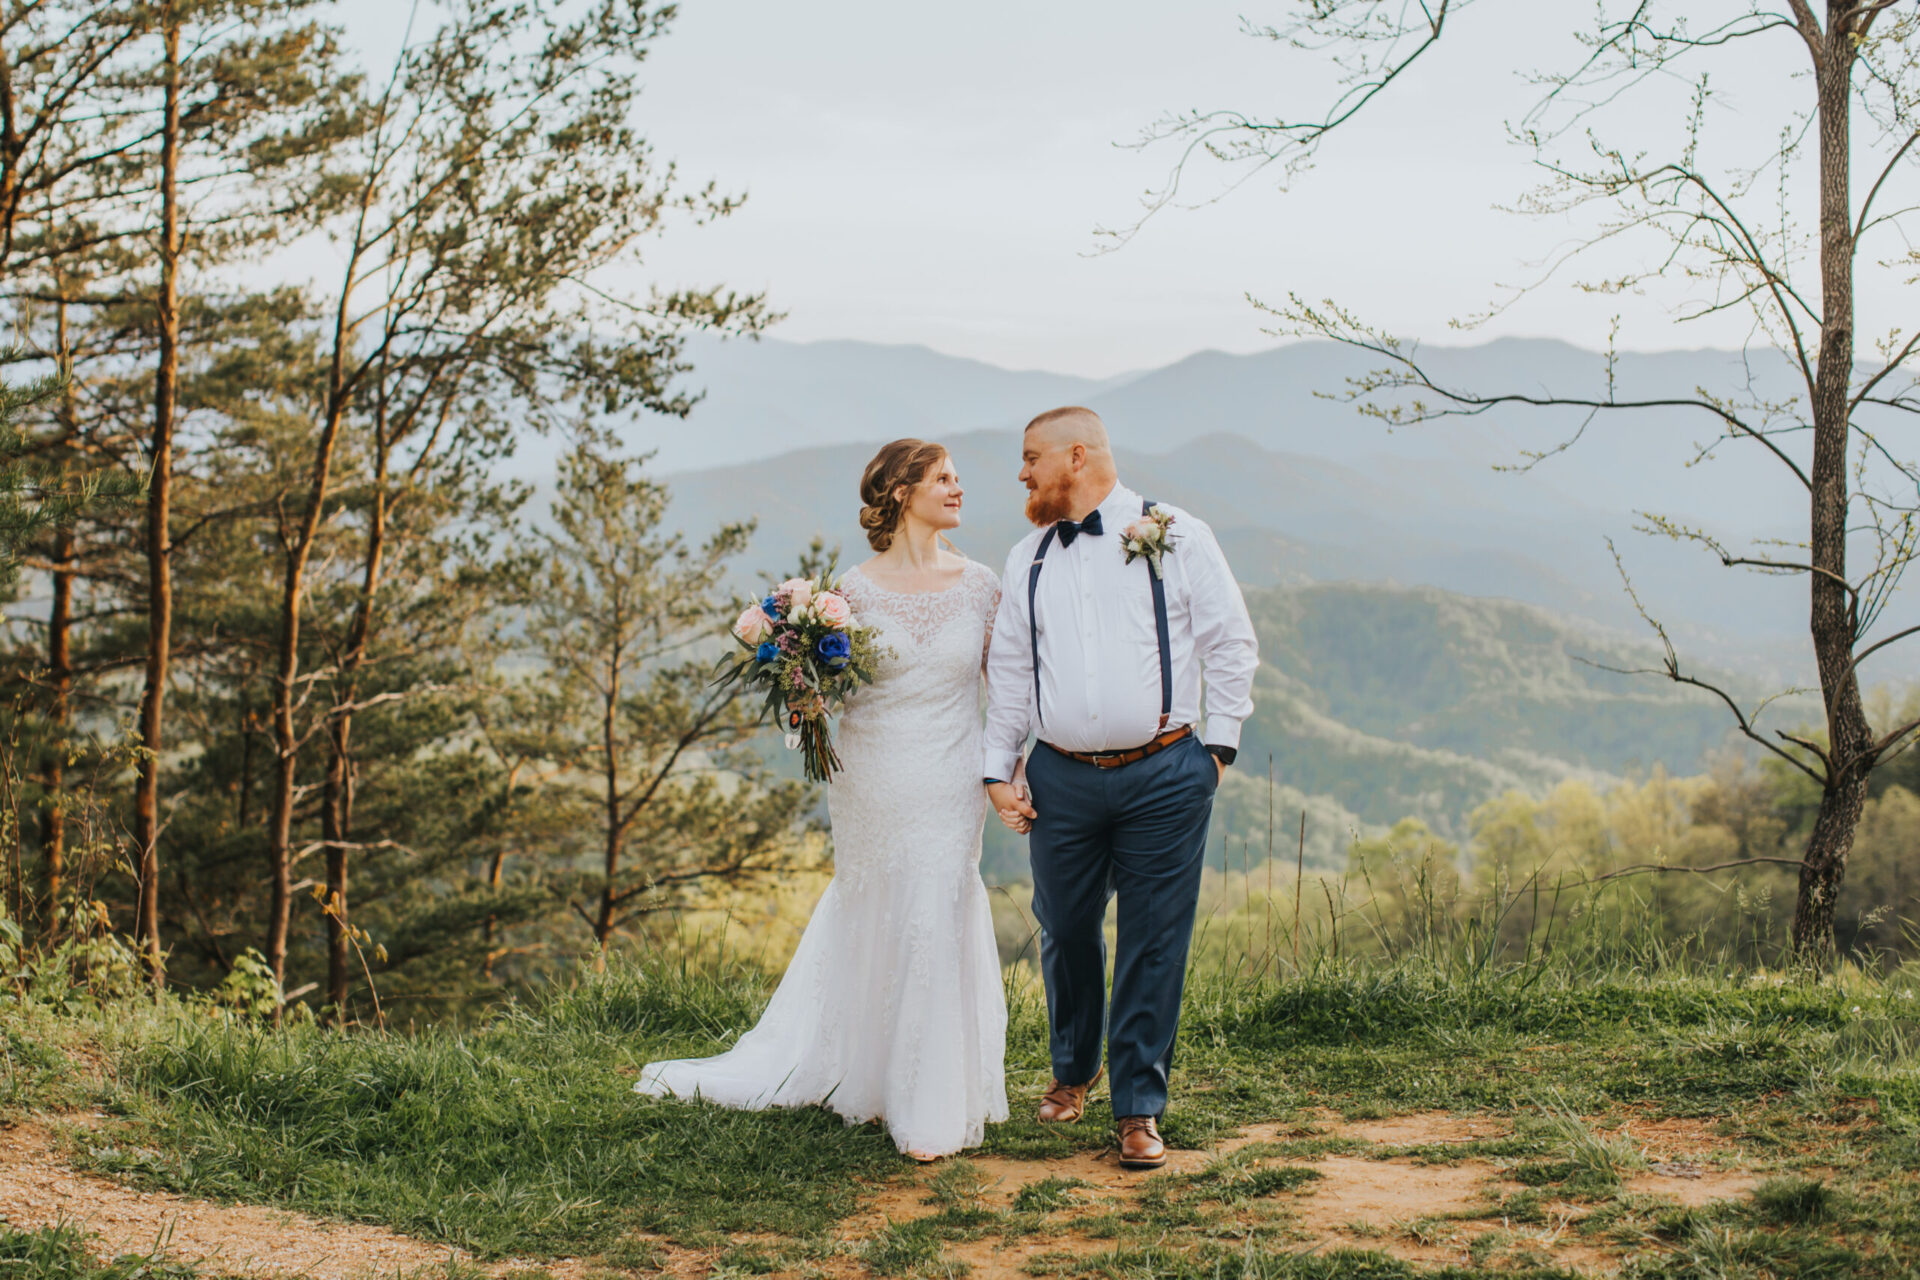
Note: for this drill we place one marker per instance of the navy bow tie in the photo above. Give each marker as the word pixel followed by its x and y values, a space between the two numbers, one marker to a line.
pixel 1069 529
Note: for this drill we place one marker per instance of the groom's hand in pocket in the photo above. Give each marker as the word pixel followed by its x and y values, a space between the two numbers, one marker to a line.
pixel 1011 803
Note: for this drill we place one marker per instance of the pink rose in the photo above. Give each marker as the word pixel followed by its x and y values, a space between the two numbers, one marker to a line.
pixel 798 591
pixel 753 625
pixel 1140 530
pixel 832 608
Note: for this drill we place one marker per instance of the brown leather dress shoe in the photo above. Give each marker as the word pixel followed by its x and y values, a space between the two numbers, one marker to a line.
pixel 1066 1103
pixel 1140 1145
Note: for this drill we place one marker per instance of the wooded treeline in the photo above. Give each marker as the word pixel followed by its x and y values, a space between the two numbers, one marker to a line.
pixel 1783 235
pixel 293 667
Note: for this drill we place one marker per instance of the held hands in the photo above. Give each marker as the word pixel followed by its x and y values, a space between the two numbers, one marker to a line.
pixel 1012 801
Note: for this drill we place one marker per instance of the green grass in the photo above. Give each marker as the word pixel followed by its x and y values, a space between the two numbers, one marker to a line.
pixel 522 1138
pixel 65 1253
pixel 1047 1195
pixel 37 1063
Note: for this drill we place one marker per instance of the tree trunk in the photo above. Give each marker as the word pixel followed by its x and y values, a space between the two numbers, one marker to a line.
pixel 286 744
pixel 243 810
pixel 299 550
pixel 610 748
pixel 53 760
pixel 1833 618
pixel 11 160
pixel 53 818
pixel 337 803
pixel 496 871
pixel 146 803
pixel 333 829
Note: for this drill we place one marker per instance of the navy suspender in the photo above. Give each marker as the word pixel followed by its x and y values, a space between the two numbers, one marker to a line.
pixel 1160 627
pixel 1159 624
pixel 1033 622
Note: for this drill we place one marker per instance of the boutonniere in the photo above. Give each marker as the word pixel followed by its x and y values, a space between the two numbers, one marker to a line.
pixel 1150 536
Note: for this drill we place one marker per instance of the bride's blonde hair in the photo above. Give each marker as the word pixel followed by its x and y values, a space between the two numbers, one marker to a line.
pixel 888 479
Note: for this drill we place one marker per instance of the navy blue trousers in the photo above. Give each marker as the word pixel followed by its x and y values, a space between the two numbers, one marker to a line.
pixel 1138 833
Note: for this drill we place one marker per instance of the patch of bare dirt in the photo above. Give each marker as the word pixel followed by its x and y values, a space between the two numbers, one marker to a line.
pixel 1691 1184
pixel 1422 1128
pixel 1679 1139
pixel 1002 1260
pixel 1421 1212
pixel 38 1189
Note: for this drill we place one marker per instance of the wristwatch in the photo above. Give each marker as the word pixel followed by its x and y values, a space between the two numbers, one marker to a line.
pixel 1224 755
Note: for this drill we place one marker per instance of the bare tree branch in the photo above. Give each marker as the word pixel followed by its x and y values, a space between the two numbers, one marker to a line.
pixel 1644 868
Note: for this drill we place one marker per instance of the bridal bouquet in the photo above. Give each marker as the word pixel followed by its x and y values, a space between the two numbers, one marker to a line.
pixel 809 653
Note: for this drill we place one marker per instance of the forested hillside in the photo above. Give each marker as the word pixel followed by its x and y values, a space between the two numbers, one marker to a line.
pixel 1378 703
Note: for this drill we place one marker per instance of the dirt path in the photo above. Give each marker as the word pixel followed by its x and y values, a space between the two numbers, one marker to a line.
pixel 1432 1209
pixel 38 1188
pixel 1423 1210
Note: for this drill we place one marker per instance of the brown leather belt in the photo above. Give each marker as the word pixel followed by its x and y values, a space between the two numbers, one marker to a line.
pixel 1115 759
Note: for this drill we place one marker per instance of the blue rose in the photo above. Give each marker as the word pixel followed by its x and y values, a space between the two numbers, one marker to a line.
pixel 834 649
pixel 767 651
pixel 772 607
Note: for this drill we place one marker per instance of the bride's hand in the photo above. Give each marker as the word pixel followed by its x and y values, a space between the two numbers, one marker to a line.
pixel 1011 803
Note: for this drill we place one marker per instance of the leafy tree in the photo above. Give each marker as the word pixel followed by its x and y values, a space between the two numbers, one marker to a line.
pixel 1781 240
pixel 499 178
pixel 31 502
pixel 225 110
pixel 624 620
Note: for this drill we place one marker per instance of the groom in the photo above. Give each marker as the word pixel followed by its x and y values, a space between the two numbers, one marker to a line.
pixel 1101 657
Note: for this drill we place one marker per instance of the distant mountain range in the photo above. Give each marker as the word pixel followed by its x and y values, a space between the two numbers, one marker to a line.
pixel 1424 614
pixel 1299 486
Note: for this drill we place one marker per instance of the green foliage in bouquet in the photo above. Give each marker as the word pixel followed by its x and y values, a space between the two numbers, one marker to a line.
pixel 810 653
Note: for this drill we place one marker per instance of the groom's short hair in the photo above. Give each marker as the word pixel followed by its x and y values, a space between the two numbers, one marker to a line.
pixel 1075 424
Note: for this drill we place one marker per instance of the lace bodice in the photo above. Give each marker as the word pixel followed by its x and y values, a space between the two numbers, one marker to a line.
pixel 921 616
pixel 912 729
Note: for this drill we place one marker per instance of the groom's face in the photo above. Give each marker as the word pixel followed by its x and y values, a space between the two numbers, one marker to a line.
pixel 1048 470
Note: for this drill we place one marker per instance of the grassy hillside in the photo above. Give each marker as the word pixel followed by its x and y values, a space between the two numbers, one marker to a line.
pixel 1561 1118
pixel 1378 703
pixel 1411 701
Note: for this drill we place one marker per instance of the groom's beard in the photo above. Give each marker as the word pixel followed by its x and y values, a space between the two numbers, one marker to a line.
pixel 1044 506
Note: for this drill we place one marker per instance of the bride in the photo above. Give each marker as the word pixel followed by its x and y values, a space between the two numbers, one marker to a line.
pixel 892 1008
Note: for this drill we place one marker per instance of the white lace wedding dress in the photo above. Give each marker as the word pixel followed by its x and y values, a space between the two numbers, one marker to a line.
pixel 892 1008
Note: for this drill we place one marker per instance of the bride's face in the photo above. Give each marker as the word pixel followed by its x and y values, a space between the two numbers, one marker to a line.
pixel 935 500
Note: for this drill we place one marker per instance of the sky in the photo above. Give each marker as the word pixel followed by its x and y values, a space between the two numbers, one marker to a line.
pixel 935 174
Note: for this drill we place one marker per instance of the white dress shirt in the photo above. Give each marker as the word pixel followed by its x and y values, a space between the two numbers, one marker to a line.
pixel 1099 651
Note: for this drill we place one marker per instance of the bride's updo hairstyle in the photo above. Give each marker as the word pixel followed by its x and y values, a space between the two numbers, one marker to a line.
pixel 887 483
